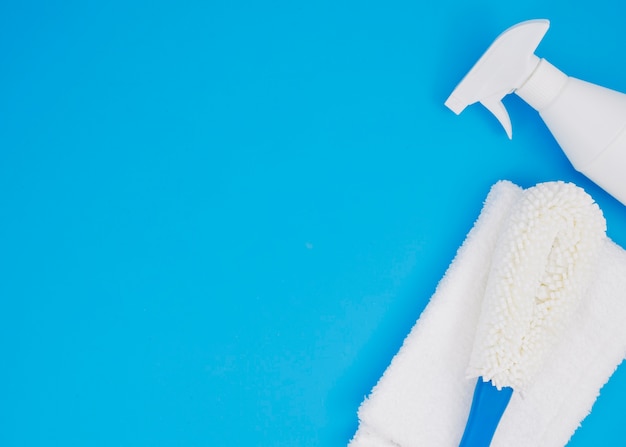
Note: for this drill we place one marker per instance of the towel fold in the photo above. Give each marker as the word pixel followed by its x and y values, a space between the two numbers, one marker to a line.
pixel 424 396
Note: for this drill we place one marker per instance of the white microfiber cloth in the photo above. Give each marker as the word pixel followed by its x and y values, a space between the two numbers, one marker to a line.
pixel 424 396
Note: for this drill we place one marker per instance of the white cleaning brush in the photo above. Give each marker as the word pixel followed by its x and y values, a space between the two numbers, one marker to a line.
pixel 541 266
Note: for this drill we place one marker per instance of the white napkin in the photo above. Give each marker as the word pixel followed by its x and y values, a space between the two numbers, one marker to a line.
pixel 424 396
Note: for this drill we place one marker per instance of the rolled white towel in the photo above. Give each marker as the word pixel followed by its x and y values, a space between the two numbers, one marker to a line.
pixel 424 396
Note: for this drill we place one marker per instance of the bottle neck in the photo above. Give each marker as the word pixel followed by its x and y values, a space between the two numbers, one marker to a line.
pixel 543 86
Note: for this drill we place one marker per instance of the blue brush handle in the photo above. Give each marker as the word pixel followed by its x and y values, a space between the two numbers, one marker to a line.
pixel 487 408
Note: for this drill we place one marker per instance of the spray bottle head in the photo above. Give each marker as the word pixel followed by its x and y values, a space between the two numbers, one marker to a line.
pixel 505 67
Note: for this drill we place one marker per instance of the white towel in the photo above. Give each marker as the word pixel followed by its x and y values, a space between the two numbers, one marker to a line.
pixel 424 396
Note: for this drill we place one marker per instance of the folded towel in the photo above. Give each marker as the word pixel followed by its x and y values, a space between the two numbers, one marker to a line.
pixel 424 396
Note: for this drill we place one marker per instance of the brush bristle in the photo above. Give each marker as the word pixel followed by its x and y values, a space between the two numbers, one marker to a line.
pixel 543 261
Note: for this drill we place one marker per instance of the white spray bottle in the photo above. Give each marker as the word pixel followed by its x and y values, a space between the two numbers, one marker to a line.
pixel 588 121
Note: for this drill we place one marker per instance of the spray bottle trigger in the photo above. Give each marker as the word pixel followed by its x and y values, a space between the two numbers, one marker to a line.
pixel 495 106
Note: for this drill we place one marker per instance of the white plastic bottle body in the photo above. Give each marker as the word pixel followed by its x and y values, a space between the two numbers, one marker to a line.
pixel 587 120
pixel 589 123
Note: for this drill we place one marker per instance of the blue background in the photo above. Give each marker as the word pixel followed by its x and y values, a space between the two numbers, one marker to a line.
pixel 218 220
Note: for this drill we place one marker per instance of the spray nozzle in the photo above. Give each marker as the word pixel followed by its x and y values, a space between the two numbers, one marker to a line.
pixel 505 67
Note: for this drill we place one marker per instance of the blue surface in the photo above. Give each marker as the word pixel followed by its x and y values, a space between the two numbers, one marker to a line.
pixel 220 219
